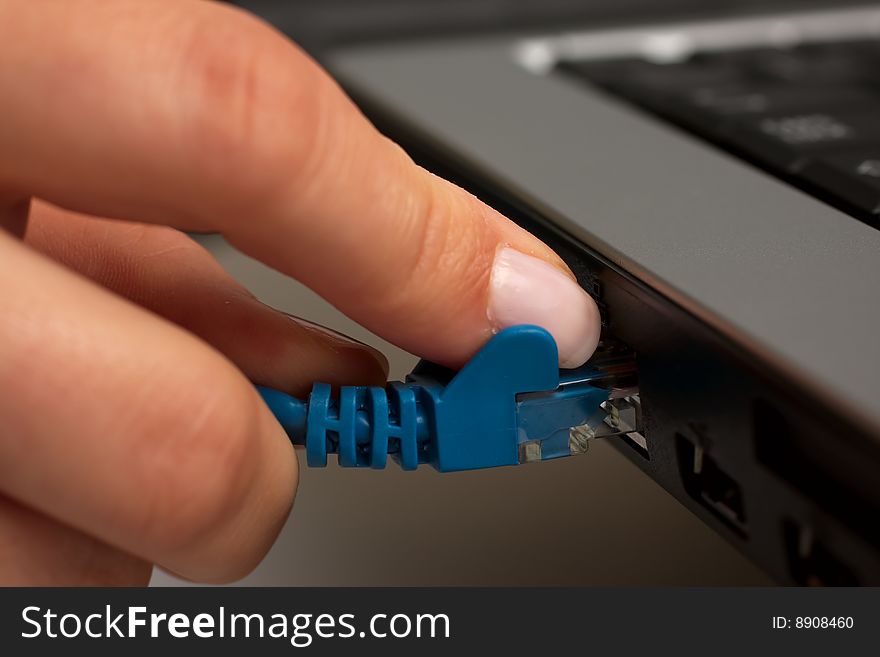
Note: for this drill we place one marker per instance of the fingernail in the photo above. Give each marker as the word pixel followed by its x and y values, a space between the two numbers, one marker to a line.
pixel 338 342
pixel 527 290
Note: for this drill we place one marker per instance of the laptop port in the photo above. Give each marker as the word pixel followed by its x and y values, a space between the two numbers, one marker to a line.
pixel 837 475
pixel 637 443
pixel 625 415
pixel 810 562
pixel 707 483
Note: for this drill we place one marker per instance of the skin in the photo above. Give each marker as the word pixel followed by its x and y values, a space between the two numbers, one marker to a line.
pixel 132 434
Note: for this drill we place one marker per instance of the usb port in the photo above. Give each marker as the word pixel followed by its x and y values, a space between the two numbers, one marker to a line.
pixel 710 485
pixel 810 562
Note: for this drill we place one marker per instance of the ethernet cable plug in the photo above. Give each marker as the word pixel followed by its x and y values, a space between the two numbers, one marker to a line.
pixel 509 404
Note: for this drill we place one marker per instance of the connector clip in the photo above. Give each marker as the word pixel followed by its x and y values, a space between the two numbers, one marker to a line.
pixel 509 404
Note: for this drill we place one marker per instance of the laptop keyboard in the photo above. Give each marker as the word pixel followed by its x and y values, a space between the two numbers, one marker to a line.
pixel 808 114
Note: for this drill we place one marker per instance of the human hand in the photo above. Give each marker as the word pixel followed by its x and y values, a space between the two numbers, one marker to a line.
pixel 131 432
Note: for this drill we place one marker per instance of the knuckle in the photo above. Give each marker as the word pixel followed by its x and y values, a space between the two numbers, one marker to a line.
pixel 450 249
pixel 199 465
pixel 249 100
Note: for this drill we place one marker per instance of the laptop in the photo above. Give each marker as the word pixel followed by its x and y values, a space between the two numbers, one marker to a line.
pixel 711 173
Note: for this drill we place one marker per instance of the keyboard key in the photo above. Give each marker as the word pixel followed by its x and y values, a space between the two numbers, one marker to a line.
pixel 846 60
pixel 733 100
pixel 838 63
pixel 810 113
pixel 641 78
pixel 852 175
pixel 787 140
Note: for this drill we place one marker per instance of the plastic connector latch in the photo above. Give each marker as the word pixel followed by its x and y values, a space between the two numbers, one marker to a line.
pixel 509 404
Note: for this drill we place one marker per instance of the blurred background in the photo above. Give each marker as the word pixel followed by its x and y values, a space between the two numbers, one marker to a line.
pixel 588 520
pixel 317 24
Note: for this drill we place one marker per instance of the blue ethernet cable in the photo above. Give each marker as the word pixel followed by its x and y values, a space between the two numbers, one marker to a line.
pixel 509 404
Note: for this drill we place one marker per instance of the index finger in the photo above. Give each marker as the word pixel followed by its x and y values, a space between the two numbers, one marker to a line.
pixel 198 115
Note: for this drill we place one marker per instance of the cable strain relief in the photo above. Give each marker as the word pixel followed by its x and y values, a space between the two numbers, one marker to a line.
pixel 363 425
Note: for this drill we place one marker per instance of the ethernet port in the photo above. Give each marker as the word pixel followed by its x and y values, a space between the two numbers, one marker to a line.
pixel 711 486
pixel 811 563
pixel 637 443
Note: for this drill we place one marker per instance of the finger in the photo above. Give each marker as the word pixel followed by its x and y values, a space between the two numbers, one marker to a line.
pixel 132 430
pixel 14 214
pixel 195 114
pixel 167 272
pixel 38 551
